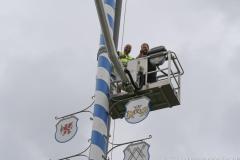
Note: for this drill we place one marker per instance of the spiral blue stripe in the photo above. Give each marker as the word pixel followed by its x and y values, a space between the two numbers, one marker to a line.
pixel 111 22
pixel 111 3
pixel 104 62
pixel 102 86
pixel 99 140
pixel 100 112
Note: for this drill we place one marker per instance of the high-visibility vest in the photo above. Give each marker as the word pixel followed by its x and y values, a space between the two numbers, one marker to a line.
pixel 125 58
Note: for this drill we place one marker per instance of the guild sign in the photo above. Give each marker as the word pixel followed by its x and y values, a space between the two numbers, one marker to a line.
pixel 66 129
pixel 137 151
pixel 137 110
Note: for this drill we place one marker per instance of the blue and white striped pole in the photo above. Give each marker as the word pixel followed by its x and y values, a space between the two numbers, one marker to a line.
pixel 101 122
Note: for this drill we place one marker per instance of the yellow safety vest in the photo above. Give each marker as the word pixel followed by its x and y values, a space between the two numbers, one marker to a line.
pixel 125 58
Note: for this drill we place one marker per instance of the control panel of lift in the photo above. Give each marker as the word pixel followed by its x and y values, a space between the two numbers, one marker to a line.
pixel 156 76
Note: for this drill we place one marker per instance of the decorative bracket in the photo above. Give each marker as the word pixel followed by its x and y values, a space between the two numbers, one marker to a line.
pixel 85 110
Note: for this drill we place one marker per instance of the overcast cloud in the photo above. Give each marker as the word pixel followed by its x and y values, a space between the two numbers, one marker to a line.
pixel 48 66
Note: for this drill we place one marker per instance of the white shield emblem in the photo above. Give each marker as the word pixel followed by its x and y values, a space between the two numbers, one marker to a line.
pixel 137 151
pixel 137 110
pixel 66 129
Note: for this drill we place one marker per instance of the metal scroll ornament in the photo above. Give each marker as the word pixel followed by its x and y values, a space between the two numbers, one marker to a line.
pixel 137 110
pixel 66 129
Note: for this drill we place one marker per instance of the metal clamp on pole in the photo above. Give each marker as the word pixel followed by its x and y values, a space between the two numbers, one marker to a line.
pixel 112 53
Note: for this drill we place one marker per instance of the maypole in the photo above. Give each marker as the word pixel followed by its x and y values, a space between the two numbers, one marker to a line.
pixel 101 121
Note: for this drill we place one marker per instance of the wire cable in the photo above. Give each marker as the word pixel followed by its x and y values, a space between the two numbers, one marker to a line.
pixel 132 81
pixel 123 27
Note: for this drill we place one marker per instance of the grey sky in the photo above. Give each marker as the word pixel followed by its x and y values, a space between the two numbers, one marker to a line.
pixel 48 65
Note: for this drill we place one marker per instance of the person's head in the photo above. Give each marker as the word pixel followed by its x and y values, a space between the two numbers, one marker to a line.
pixel 144 48
pixel 127 49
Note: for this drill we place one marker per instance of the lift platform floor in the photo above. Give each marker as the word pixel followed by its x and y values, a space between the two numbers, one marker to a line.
pixel 162 96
